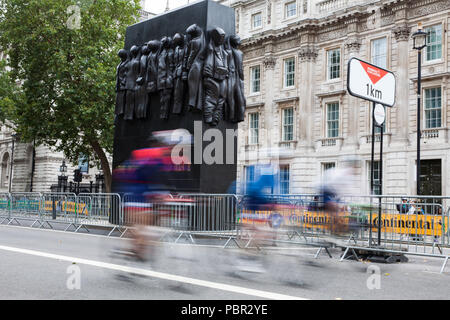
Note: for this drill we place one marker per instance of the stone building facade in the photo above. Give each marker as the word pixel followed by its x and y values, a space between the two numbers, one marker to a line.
pixel 32 172
pixel 296 54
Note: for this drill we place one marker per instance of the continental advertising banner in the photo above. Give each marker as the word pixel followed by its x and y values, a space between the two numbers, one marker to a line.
pixel 432 225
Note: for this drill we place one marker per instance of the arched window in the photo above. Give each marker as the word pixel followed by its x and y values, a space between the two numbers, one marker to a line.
pixel 5 171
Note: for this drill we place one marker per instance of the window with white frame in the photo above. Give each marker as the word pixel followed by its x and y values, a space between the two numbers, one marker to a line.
pixel 255 79
pixel 288 124
pixel 379 52
pixel 249 175
pixel 290 9
pixel 376 176
pixel 434 43
pixel 256 20
pixel 253 119
pixel 334 64
pixel 289 72
pixel 433 104
pixel 332 120
pixel 284 179
pixel 328 166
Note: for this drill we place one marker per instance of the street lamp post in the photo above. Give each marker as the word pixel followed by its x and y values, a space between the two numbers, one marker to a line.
pixel 62 179
pixel 419 42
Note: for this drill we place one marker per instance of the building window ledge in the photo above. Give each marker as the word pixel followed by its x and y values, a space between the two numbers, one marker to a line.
pixel 368 137
pixel 433 134
pixel 330 142
pixel 288 144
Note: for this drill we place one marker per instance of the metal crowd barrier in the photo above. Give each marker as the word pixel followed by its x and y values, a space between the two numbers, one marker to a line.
pixel 297 219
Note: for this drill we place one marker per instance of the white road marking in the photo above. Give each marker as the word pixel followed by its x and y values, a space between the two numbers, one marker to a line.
pixel 160 275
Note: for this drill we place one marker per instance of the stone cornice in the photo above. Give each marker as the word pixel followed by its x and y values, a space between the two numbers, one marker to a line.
pixel 335 25
pixel 402 32
pixel 269 62
pixel 432 76
pixel 308 53
pixel 287 99
pixel 254 105
pixel 331 93
pixel 353 44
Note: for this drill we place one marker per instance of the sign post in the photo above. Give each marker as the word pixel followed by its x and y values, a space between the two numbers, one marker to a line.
pixel 375 84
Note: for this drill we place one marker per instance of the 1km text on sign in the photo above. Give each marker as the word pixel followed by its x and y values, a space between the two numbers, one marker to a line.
pixel 369 82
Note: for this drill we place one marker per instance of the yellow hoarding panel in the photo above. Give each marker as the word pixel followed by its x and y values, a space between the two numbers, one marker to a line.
pixel 67 206
pixel 431 225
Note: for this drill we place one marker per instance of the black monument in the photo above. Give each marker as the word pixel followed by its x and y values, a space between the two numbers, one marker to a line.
pixel 177 69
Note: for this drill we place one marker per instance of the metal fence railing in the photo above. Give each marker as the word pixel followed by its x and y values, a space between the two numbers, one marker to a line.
pixel 412 224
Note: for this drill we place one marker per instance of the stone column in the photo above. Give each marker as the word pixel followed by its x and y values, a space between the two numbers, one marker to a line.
pixel 266 116
pixel 351 140
pixel 401 128
pixel 307 57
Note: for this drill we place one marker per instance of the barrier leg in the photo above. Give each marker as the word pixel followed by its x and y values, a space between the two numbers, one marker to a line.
pixel 320 250
pixel 345 254
pixel 438 246
pixel 115 228
pixel 46 222
pixel 317 253
pixel 37 221
pixel 13 219
pixel 82 226
pixel 123 233
pixel 71 224
pixel 444 264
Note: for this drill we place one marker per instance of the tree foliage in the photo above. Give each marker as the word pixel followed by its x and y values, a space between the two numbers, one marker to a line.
pixel 64 55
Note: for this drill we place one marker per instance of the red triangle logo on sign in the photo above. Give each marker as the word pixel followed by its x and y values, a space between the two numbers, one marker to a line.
pixel 374 73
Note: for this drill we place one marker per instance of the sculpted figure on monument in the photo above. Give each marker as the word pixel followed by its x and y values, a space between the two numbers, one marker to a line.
pixel 165 77
pixel 230 105
pixel 121 77
pixel 194 65
pixel 215 77
pixel 179 82
pixel 152 66
pixel 131 85
pixel 141 91
pixel 239 102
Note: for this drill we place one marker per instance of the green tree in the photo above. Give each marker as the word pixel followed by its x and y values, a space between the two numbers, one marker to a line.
pixel 64 56
pixel 10 94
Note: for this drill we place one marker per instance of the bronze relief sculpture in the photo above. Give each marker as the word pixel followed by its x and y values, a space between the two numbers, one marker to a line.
pixel 165 77
pixel 141 91
pixel 154 47
pixel 179 82
pixel 194 65
pixel 186 72
pixel 238 89
pixel 131 85
pixel 121 75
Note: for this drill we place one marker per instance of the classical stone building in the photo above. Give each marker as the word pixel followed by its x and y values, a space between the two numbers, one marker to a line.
pixel 296 54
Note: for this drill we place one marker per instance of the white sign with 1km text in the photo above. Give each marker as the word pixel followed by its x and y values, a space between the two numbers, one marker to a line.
pixel 369 82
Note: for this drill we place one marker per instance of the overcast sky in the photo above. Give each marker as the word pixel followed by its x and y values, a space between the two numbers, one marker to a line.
pixel 158 6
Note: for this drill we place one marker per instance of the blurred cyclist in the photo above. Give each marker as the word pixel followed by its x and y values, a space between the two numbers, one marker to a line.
pixel 336 183
pixel 144 179
pixel 258 208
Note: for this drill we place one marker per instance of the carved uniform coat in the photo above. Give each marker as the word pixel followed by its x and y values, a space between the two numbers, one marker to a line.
pixel 121 88
pixel 131 85
pixel 194 64
pixel 179 83
pixel 165 80
pixel 215 73
pixel 239 95
pixel 152 67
